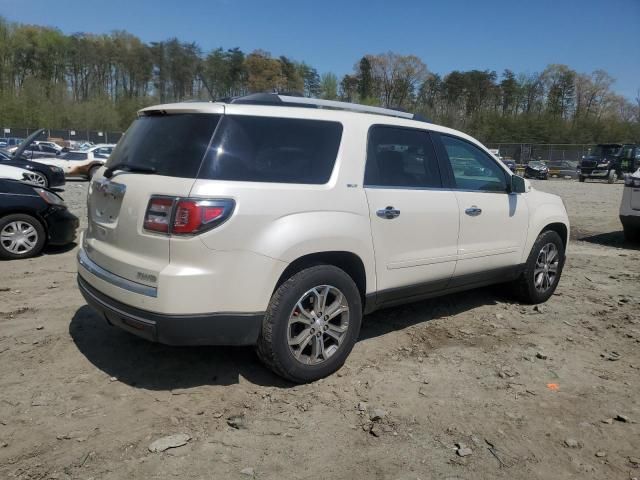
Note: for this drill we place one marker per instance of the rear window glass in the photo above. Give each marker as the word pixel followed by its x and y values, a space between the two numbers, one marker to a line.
pixel 268 149
pixel 172 144
pixel 75 156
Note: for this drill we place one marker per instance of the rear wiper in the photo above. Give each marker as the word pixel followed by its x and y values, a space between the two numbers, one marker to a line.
pixel 128 167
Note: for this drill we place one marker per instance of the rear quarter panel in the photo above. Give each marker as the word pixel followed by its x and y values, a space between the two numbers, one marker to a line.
pixel 287 221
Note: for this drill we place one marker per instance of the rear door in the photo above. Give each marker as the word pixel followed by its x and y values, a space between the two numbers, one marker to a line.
pixel 493 222
pixel 414 221
pixel 173 144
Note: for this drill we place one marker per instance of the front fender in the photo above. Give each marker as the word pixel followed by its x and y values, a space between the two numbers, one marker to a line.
pixel 540 217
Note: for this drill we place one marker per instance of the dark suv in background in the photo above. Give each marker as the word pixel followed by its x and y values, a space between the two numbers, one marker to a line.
pixel 609 161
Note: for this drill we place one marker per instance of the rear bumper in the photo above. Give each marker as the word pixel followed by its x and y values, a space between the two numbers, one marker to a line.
pixel 202 329
pixel 632 221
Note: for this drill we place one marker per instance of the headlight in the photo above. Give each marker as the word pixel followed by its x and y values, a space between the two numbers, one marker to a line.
pixel 603 165
pixel 49 197
pixel 55 169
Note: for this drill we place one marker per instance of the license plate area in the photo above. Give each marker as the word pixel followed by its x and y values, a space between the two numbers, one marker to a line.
pixel 105 201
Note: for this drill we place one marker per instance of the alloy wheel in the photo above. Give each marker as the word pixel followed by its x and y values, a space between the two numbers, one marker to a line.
pixel 546 269
pixel 35 178
pixel 19 237
pixel 318 324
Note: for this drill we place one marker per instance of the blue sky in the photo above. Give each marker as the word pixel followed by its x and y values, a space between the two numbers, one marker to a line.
pixel 332 35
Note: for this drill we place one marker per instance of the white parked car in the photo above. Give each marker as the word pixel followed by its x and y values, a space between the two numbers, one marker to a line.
pixel 80 163
pixel 257 222
pixel 630 207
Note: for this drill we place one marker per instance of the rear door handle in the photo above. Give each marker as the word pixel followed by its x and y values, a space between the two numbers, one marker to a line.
pixel 389 213
pixel 473 211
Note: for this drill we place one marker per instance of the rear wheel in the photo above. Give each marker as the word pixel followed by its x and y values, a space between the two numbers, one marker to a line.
pixel 21 236
pixel 311 325
pixel 542 270
pixel 581 179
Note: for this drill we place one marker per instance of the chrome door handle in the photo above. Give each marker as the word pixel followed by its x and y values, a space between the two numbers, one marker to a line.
pixel 389 213
pixel 473 211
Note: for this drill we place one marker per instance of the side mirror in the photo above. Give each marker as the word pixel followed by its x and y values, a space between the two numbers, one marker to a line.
pixel 518 184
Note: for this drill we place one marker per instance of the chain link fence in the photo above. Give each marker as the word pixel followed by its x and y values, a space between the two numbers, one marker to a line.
pixel 524 152
pixel 69 135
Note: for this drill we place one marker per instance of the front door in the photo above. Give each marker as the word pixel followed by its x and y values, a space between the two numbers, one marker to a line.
pixel 414 221
pixel 493 222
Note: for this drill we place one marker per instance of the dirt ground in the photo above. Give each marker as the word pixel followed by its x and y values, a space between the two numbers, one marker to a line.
pixel 544 393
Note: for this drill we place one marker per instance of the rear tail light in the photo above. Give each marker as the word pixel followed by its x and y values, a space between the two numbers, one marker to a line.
pixel 186 216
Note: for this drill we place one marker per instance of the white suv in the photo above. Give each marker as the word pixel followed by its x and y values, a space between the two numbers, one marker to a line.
pixel 259 222
pixel 630 207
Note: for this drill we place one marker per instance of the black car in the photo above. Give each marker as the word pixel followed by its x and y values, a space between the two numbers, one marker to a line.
pixel 563 169
pixel 510 164
pixel 536 169
pixel 41 174
pixel 31 218
pixel 609 161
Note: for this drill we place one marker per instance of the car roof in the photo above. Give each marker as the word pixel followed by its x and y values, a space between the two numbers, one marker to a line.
pixel 342 116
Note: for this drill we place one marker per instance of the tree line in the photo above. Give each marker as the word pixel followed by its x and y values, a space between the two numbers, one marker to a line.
pixel 98 82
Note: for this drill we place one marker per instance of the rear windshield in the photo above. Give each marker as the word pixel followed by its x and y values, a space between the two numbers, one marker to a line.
pixel 75 156
pixel 173 145
pixel 269 149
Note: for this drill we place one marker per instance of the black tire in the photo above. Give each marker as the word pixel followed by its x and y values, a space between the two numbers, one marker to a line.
pixel 524 287
pixel 92 171
pixel 631 234
pixel 581 179
pixel 40 240
pixel 613 177
pixel 273 344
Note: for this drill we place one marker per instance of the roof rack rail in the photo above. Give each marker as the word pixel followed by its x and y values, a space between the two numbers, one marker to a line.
pixel 305 102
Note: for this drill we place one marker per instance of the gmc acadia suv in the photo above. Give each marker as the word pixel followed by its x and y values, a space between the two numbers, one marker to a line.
pixel 279 221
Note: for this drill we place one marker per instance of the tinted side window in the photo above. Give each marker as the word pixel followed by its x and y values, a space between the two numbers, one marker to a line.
pixel 275 150
pixel 472 168
pixel 75 156
pixel 401 157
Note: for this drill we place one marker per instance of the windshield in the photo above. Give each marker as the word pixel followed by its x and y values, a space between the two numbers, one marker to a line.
pixel 602 151
pixel 537 163
pixel 173 145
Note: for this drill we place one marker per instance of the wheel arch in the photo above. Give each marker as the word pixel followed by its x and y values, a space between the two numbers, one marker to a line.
pixel 351 263
pixel 561 229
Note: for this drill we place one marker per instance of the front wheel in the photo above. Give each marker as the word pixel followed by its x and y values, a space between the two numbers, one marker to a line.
pixel 542 270
pixel 613 177
pixel 581 179
pixel 21 236
pixel 311 325
pixel 37 179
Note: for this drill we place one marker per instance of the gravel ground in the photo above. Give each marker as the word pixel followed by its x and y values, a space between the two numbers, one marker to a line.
pixel 465 386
